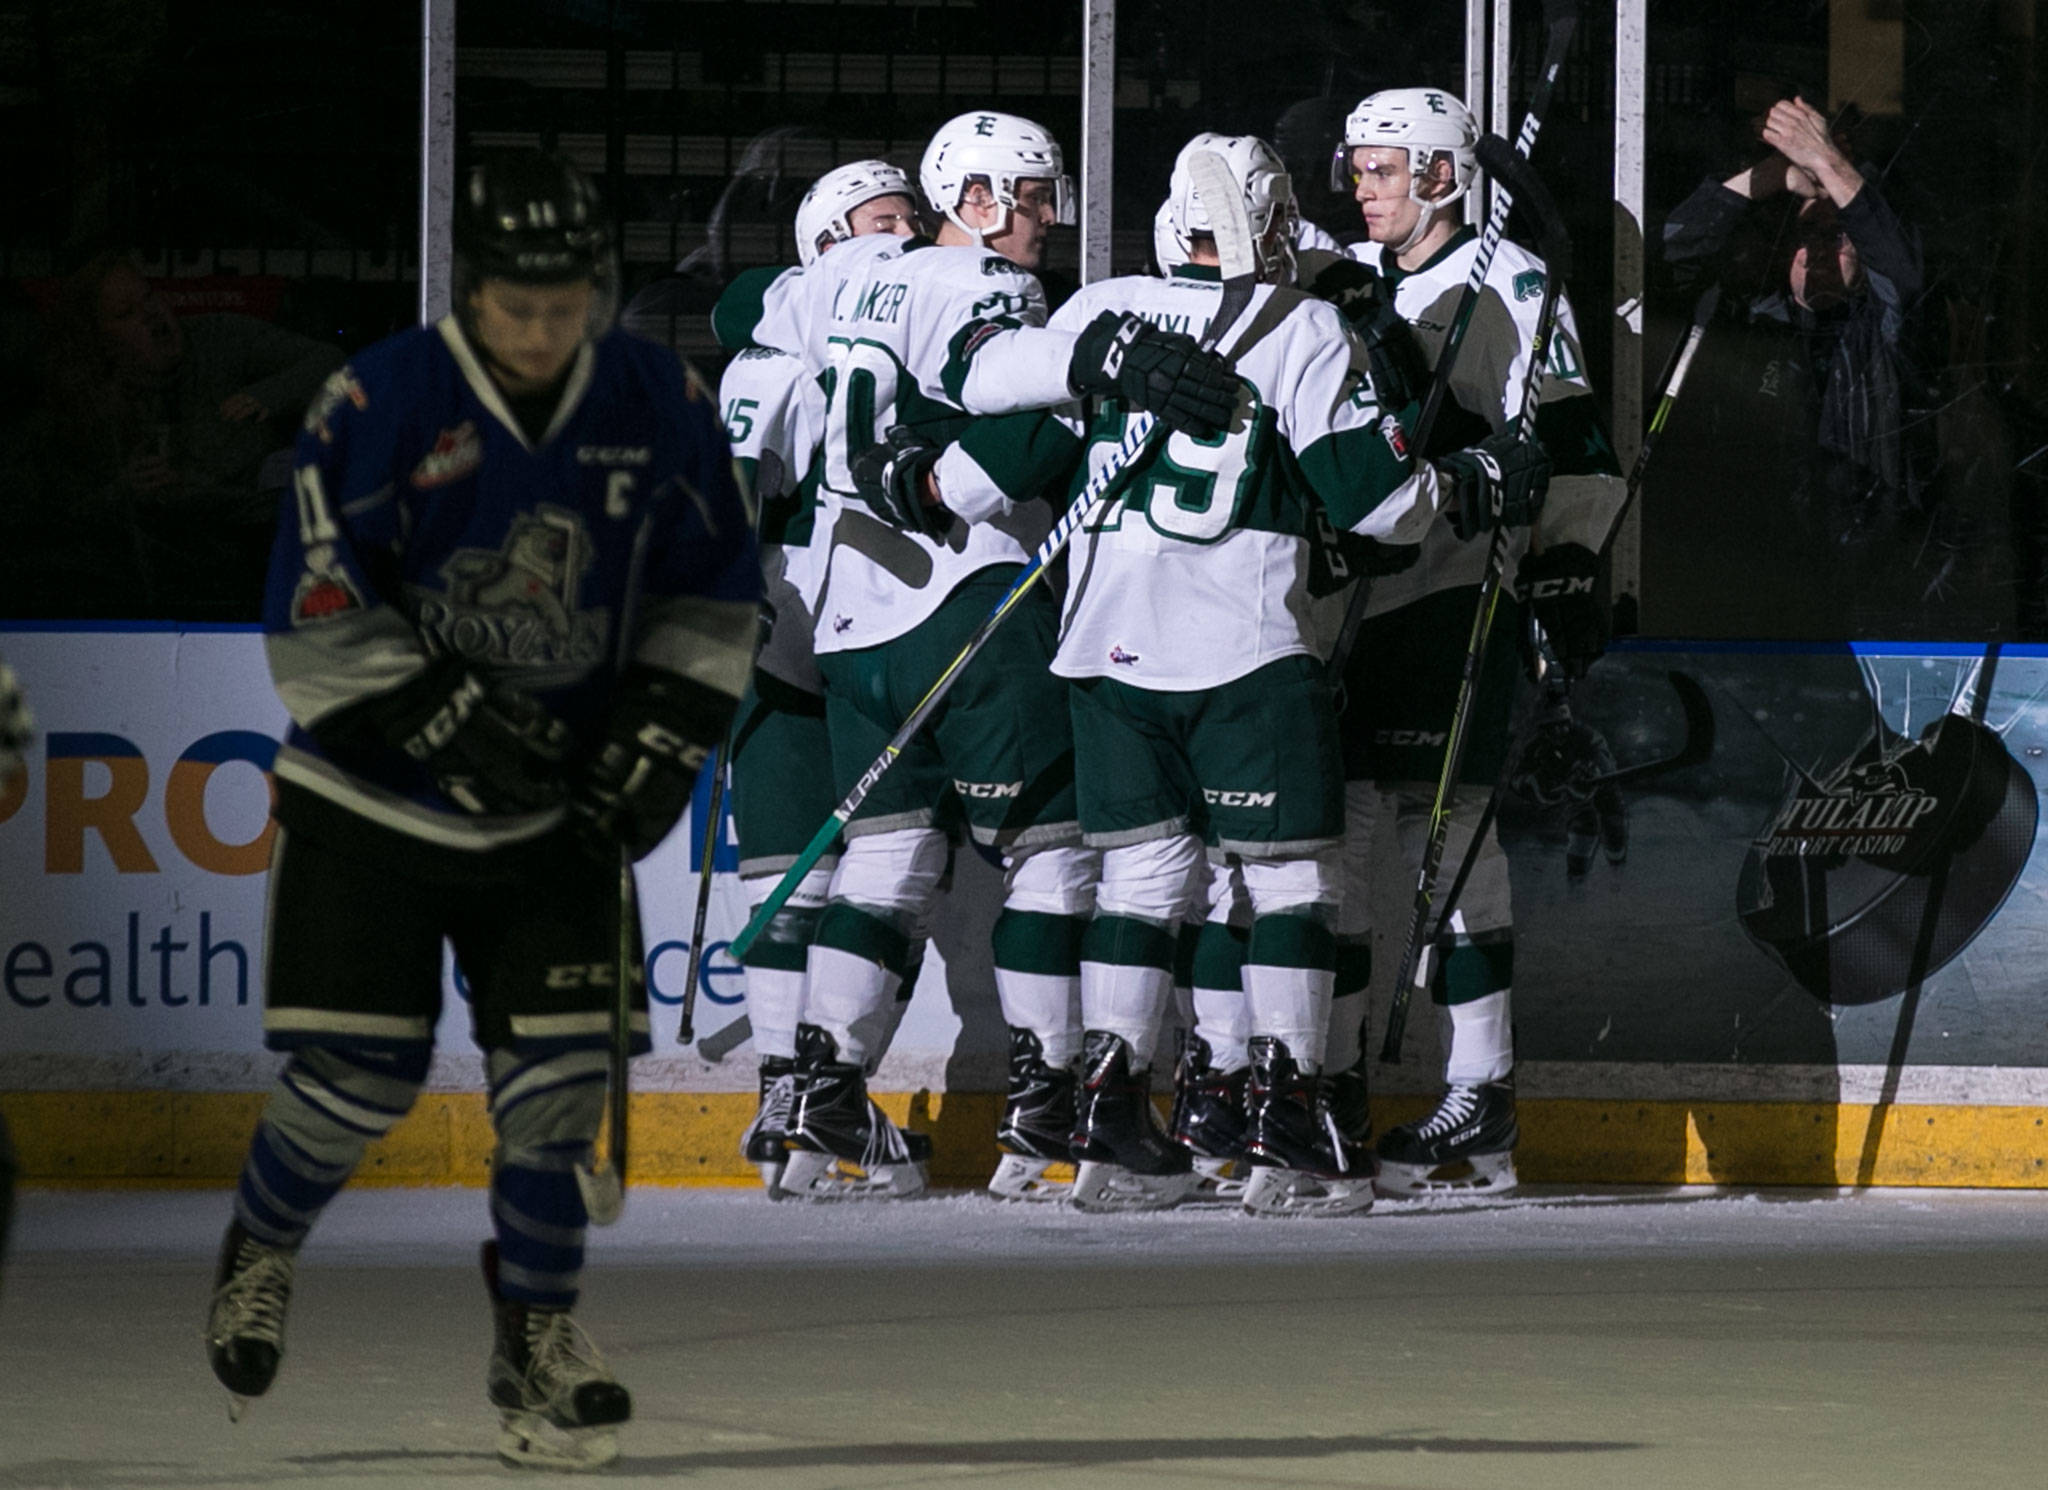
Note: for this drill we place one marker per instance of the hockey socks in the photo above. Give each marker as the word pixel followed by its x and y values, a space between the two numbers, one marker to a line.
pixel 1126 980
pixel 1222 1016
pixel 546 1111
pixel 1290 972
pixel 776 962
pixel 1482 1040
pixel 857 968
pixel 327 1107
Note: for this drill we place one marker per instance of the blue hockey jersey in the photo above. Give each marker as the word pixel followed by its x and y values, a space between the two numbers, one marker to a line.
pixel 422 523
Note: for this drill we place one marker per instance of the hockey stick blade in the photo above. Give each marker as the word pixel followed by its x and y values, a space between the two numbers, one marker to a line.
pixel 1699 737
pixel 604 1186
pixel 1223 202
pixel 1511 169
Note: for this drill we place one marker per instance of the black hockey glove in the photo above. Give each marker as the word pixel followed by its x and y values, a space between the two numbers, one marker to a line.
pixel 890 478
pixel 1127 357
pixel 17 726
pixel 634 789
pixel 490 749
pixel 1498 483
pixel 1400 372
pixel 1565 587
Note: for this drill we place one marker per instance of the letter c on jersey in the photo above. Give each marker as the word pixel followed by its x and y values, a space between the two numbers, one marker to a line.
pixel 68 811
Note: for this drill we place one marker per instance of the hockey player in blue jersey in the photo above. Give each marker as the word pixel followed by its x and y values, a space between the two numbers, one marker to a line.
pixel 511 608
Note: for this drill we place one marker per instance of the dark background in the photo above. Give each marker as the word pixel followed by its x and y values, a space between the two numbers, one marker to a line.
pixel 279 142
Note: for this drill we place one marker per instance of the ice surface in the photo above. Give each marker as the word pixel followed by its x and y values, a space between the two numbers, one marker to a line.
pixel 1639 1338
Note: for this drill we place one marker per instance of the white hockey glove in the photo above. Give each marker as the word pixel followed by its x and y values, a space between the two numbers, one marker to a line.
pixel 1127 357
pixel 1498 483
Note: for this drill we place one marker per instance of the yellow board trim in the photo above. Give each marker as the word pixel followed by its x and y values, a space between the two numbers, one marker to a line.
pixel 197 1139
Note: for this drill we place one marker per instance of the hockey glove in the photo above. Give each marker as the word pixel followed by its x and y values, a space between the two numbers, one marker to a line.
pixel 17 726
pixel 634 789
pixel 893 479
pixel 1400 372
pixel 1565 588
pixel 1498 483
pixel 1127 357
pixel 489 748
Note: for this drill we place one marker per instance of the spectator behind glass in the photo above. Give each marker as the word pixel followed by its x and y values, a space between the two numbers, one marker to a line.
pixel 133 490
pixel 1824 360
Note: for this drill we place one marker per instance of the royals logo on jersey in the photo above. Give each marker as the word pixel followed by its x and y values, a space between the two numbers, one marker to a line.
pixel 455 454
pixel 516 605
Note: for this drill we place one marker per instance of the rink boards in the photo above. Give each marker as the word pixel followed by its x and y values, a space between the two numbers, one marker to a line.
pixel 1816 960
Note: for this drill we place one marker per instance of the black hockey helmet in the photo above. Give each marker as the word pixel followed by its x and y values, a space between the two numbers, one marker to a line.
pixel 532 218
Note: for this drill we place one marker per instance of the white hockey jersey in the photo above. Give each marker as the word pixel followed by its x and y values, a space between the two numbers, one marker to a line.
pixel 774 415
pixel 1585 485
pixel 906 332
pixel 1199 572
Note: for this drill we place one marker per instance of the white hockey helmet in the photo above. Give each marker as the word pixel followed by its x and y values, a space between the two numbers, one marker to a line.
pixel 822 217
pixel 1000 149
pixel 1268 198
pixel 1428 123
pixel 1168 251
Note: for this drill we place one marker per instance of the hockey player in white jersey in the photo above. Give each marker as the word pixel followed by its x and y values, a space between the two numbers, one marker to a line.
pixel 924 336
pixel 1408 156
pixel 782 764
pixel 1201 709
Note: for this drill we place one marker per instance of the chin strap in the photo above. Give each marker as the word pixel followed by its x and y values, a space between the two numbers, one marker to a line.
pixel 1423 221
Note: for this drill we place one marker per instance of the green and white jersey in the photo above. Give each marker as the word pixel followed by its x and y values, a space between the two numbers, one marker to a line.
pixel 774 416
pixel 899 331
pixel 1199 571
pixel 1585 485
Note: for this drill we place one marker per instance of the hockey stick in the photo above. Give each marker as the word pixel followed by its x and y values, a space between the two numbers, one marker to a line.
pixel 1560 20
pixel 1213 184
pixel 1505 166
pixel 686 1029
pixel 1676 368
pixel 604 1185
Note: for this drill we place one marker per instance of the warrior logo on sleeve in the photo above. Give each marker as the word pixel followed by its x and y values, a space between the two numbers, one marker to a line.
pixel 516 605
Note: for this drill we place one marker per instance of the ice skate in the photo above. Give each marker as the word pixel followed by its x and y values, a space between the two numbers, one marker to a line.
pixel 762 1142
pixel 559 1404
pixel 1208 1121
pixel 840 1145
pixel 1038 1122
pixel 1465 1147
pixel 1126 1161
pixel 1350 1103
pixel 245 1325
pixel 1301 1162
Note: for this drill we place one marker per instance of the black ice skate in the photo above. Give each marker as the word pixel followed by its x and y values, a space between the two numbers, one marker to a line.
pixel 840 1145
pixel 245 1325
pixel 1208 1121
pixel 1038 1123
pixel 761 1143
pixel 1350 1103
pixel 1465 1147
pixel 559 1404
pixel 1126 1160
pixel 1301 1162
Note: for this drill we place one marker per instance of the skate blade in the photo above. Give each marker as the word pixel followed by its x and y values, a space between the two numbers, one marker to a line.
pixel 1217 1181
pixel 1482 1174
pixel 526 1440
pixel 771 1178
pixel 1019 1177
pixel 238 1407
pixel 1273 1191
pixel 1100 1187
pixel 813 1176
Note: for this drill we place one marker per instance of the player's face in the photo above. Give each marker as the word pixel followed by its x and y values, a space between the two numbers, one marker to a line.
pixel 1825 264
pixel 139 332
pixel 895 215
pixel 1023 240
pixel 530 331
pixel 1382 180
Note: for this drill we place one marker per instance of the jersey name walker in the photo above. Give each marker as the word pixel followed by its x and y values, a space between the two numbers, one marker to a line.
pixel 906 332
pixel 423 523
pixel 1199 572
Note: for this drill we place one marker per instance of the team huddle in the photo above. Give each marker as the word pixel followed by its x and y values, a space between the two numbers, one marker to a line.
pixel 1158 758
pixel 519 595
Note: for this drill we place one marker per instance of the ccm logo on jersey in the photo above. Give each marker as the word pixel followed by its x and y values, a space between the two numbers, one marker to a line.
pixel 455 454
pixel 989 789
pixel 1239 799
pixel 1409 737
